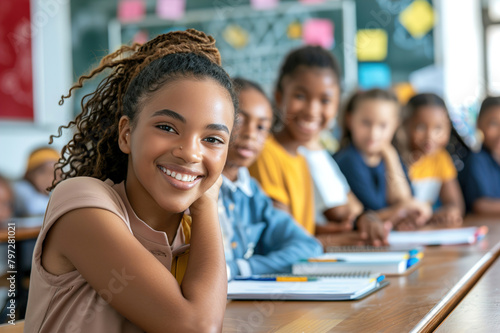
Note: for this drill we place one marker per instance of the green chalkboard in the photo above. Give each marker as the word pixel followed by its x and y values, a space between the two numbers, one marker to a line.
pixel 260 59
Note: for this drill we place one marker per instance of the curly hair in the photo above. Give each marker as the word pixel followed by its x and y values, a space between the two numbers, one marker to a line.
pixel 137 71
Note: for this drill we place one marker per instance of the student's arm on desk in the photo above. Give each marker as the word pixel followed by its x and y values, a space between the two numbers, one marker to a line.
pixel 282 241
pixel 450 214
pixel 344 214
pixel 99 245
pixel 372 229
pixel 488 206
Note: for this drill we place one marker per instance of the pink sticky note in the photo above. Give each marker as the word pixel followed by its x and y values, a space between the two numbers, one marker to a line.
pixel 264 4
pixel 131 10
pixel 318 32
pixel 170 9
pixel 141 37
pixel 312 1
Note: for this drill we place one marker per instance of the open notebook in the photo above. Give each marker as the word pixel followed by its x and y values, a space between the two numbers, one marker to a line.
pixel 387 263
pixel 468 235
pixel 332 288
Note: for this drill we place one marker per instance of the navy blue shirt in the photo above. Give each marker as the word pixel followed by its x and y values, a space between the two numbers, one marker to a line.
pixel 367 183
pixel 480 178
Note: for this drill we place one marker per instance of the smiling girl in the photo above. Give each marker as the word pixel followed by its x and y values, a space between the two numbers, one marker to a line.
pixel 112 255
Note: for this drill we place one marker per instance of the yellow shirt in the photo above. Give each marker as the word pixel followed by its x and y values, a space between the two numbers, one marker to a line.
pixel 429 173
pixel 286 179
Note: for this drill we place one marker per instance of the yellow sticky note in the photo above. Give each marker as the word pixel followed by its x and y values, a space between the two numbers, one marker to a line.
pixel 404 91
pixel 235 36
pixel 294 30
pixel 418 18
pixel 371 44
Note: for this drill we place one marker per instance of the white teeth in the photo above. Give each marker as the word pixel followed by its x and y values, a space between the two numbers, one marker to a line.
pixel 308 124
pixel 178 176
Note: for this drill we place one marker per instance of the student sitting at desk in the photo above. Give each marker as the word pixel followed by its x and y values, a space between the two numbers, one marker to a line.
pixel 372 165
pixel 6 200
pixel 31 192
pixel 117 251
pixel 258 237
pixel 433 175
pixel 480 178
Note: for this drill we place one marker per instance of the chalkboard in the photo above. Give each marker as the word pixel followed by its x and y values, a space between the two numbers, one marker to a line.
pixel 261 58
pixel 405 53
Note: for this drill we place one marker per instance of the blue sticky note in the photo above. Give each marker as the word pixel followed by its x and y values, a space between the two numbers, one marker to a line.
pixel 374 75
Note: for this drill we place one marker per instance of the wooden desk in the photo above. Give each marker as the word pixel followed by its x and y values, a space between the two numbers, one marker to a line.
pixel 25 228
pixel 21 234
pixel 417 302
pixel 479 311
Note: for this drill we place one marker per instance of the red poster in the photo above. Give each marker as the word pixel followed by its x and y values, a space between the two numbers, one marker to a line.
pixel 16 80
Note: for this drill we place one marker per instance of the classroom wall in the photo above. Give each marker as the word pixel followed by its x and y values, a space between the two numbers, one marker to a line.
pixel 51 54
pixel 459 28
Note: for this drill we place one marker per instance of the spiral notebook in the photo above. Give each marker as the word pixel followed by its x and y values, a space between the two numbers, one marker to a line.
pixel 343 287
pixel 466 235
pixel 361 261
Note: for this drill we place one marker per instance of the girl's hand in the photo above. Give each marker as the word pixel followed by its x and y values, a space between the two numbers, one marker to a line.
pixel 373 230
pixel 419 212
pixel 390 153
pixel 447 217
pixel 211 196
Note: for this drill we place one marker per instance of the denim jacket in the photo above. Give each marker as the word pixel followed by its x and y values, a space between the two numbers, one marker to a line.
pixel 264 239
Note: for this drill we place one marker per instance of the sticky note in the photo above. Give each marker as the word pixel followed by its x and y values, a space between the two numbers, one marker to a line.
pixel 294 30
pixel 264 4
pixel 235 36
pixel 371 44
pixel 312 1
pixel 404 91
pixel 417 18
pixel 170 9
pixel 131 10
pixel 374 75
pixel 141 37
pixel 318 32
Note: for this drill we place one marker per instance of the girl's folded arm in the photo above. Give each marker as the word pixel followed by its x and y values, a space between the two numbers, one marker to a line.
pixel 100 246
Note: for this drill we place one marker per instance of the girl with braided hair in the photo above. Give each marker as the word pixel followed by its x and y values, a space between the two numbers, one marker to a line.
pixel 149 145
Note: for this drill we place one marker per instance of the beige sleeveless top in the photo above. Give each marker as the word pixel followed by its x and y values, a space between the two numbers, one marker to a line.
pixel 67 303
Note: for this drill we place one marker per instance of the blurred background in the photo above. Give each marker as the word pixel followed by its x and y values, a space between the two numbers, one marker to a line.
pixel 449 47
